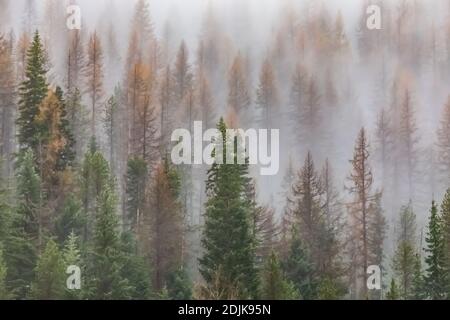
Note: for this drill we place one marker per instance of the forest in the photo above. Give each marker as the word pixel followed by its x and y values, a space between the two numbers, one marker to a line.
pixel 92 205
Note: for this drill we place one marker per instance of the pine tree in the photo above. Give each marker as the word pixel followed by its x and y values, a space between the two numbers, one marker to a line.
pixel 71 218
pixel 111 124
pixel 227 217
pixel 404 261
pixel 49 281
pixel 274 285
pixel 435 279
pixel 32 92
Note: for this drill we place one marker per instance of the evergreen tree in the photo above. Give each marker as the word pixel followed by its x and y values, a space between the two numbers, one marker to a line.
pixel 300 270
pixel 445 225
pixel 404 261
pixel 32 92
pixel 227 218
pixel 71 218
pixel 135 268
pixel 179 285
pixel 4 291
pixel 107 258
pixel 435 279
pixel 137 174
pixel 72 257
pixel 274 284
pixel 393 293
pixel 50 273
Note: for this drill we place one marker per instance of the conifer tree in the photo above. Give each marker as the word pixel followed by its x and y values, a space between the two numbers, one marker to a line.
pixel 366 219
pixel 445 229
pixel 49 281
pixel 179 285
pixel 443 144
pixel 300 270
pixel 435 280
pixel 393 293
pixel 239 98
pixel 274 285
pixel 4 291
pixel 404 261
pixel 32 92
pixel 137 174
pixel 72 256
pixel 164 224
pixel 227 217
pixel 267 94
pixel 107 257
pixel 94 78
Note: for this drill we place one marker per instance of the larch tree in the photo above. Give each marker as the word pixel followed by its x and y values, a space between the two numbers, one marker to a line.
pixel 164 224
pixel 267 95
pixel 364 213
pixel 93 70
pixel 75 61
pixel 182 74
pixel 239 97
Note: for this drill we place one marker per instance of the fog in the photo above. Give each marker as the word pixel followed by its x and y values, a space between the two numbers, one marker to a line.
pixel 412 50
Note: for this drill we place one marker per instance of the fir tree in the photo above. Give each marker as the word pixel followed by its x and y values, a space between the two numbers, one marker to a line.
pixel 4 291
pixel 179 285
pixel 137 174
pixel 72 257
pixel 227 217
pixel 435 279
pixel 393 293
pixel 49 281
pixel 404 261
pixel 274 284
pixel 32 92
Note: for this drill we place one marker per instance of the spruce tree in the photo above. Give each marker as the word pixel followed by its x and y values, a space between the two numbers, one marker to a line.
pixel 227 238
pixel 445 221
pixel 32 92
pixel 72 256
pixel 435 279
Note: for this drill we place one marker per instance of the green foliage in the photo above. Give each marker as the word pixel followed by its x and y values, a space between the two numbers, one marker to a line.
pixel 393 293
pixel 274 285
pixel 179 286
pixel 435 277
pixel 32 92
pixel 4 292
pixel 137 174
pixel 135 268
pixel 405 258
pixel 71 218
pixel 72 257
pixel 50 277
pixel 66 156
pixel 299 269
pixel 107 259
pixel 227 239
